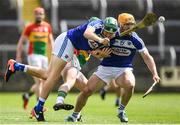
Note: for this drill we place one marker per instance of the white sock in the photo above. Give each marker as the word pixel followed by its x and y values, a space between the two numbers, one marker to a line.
pixel 121 108
pixel 60 100
pixel 42 99
pixel 25 68
pixel 76 114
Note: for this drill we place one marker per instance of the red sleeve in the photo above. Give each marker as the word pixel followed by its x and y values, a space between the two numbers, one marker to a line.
pixel 50 28
pixel 27 31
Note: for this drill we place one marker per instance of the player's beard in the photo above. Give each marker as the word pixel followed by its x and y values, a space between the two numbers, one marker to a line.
pixel 38 21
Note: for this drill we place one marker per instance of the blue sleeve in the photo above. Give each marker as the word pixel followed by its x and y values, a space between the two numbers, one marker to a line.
pixel 139 44
pixel 98 24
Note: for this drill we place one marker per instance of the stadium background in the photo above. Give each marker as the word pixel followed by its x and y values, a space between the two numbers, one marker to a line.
pixel 162 39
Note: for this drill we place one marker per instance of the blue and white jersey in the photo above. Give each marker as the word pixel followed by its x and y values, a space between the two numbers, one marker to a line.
pixel 124 49
pixel 79 41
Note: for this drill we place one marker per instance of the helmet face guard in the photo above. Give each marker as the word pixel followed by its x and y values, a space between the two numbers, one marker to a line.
pixel 110 29
pixel 110 25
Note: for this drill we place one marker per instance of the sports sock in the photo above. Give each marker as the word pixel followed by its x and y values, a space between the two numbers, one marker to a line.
pixel 117 101
pixel 30 93
pixel 121 108
pixel 103 89
pixel 76 114
pixel 40 104
pixel 61 96
pixel 19 67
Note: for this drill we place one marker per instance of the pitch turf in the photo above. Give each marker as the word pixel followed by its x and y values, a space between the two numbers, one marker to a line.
pixel 155 109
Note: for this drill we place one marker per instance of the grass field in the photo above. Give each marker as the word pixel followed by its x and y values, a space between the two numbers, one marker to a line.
pixel 155 108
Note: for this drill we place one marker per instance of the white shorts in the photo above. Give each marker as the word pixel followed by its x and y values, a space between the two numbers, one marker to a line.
pixel 63 48
pixel 38 60
pixel 108 73
pixel 74 63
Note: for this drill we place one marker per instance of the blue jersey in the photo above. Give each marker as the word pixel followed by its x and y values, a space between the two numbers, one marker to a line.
pixel 124 49
pixel 79 41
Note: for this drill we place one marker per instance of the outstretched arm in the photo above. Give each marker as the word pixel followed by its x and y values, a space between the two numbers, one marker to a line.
pixel 149 61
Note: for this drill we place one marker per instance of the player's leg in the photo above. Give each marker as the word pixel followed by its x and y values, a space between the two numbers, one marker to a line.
pixel 117 90
pixel 81 82
pixel 37 72
pixel 93 84
pixel 37 88
pixel 54 68
pixel 62 53
pixel 127 82
pixel 69 75
pixel 33 60
pixel 14 66
pixel 103 91
pixel 96 81
pixel 33 90
pixel 118 96
pixel 111 86
pixel 44 66
pixel 41 62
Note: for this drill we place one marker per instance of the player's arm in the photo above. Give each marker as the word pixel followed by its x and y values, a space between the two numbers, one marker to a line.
pixel 19 50
pixel 89 34
pixel 149 61
pixel 51 40
pixel 105 52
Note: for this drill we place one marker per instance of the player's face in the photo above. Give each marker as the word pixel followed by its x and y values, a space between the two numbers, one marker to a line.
pixel 127 26
pixel 39 16
pixel 108 34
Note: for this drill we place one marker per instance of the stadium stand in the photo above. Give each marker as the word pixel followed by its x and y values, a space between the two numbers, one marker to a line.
pixel 7 11
pixel 77 9
pixel 136 7
pixel 153 37
pixel 170 9
pixel 9 31
pixel 74 12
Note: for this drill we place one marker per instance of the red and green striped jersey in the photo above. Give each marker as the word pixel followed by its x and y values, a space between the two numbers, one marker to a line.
pixel 38 36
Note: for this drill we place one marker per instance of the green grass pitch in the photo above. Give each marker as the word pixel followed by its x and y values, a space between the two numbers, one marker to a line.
pixel 154 109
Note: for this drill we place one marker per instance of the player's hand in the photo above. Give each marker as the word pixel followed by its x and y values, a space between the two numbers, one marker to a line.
pixel 156 78
pixel 105 52
pixel 104 41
